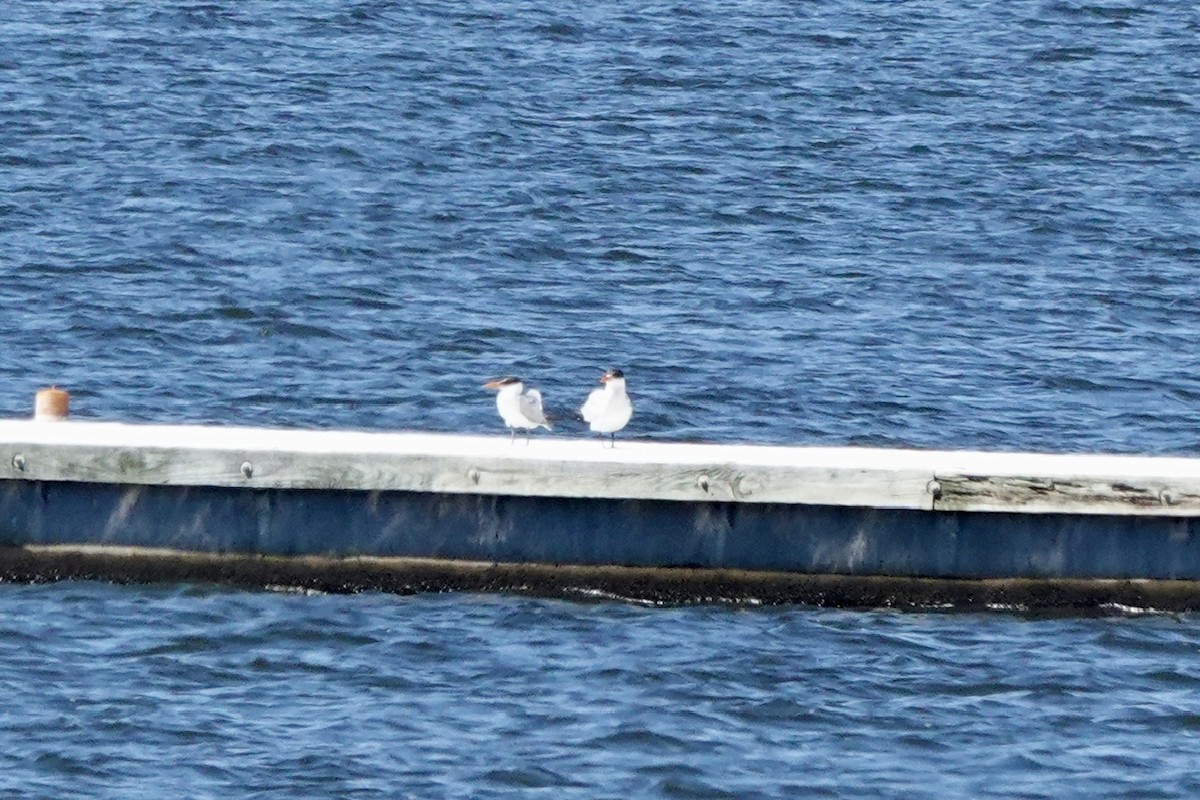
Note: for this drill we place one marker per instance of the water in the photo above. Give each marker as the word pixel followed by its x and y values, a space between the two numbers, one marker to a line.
pixel 821 222
pixel 788 222
pixel 201 693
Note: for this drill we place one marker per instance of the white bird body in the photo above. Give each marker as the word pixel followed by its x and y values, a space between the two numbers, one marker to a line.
pixel 608 409
pixel 519 407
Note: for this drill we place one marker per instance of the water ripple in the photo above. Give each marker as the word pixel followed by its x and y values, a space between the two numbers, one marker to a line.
pixel 837 224
pixel 834 223
pixel 273 695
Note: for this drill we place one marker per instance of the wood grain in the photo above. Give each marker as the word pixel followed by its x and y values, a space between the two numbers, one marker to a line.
pixel 264 458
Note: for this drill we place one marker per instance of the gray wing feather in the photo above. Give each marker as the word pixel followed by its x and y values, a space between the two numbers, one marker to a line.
pixel 531 407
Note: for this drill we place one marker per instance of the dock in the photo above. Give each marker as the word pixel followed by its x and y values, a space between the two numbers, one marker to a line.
pixel 659 522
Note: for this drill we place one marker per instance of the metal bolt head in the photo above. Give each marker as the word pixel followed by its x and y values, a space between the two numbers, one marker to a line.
pixel 18 462
pixel 247 469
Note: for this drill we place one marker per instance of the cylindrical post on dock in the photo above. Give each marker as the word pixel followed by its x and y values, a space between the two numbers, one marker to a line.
pixel 51 405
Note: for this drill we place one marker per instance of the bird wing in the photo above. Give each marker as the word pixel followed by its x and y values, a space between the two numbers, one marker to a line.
pixel 594 406
pixel 531 406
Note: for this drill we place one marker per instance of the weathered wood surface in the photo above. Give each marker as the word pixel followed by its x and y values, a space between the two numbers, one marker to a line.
pixel 161 455
pixel 1101 495
pixel 489 465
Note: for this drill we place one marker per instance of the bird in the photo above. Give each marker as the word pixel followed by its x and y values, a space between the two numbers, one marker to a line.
pixel 608 408
pixel 519 407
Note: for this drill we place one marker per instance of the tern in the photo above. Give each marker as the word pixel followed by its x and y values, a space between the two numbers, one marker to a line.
pixel 519 407
pixel 608 408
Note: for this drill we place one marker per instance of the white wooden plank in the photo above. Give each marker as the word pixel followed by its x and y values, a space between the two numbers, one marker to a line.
pixel 182 455
pixel 215 456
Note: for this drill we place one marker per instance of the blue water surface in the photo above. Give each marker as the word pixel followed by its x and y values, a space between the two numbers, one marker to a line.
pixel 921 224
pixel 185 692
pixel 821 222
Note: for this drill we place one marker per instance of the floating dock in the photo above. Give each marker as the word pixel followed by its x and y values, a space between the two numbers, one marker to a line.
pixel 657 522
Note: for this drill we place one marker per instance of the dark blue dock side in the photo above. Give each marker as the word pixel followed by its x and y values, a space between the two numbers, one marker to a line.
pixel 347 511
pixel 638 533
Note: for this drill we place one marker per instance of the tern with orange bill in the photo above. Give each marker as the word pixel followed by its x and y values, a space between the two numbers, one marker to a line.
pixel 608 408
pixel 519 407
